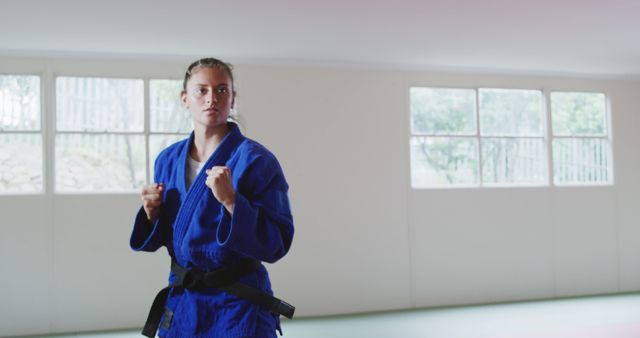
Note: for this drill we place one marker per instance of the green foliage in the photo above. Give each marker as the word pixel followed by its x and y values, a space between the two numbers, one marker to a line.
pixel 508 112
pixel 578 114
pixel 449 160
pixel 19 109
pixel 443 111
pixel 515 121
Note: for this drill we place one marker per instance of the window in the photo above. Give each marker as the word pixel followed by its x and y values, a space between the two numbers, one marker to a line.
pixel 444 146
pixel 512 137
pixel 104 143
pixel 99 134
pixel 21 165
pixel 581 146
pixel 169 121
pixel 469 137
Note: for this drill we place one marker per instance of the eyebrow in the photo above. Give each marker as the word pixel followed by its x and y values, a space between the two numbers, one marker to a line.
pixel 206 84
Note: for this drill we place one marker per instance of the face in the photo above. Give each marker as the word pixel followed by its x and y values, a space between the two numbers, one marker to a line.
pixel 209 97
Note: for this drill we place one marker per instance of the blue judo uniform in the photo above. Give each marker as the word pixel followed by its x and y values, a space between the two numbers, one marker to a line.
pixel 199 233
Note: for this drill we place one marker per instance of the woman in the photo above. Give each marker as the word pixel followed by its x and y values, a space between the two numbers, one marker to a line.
pixel 217 224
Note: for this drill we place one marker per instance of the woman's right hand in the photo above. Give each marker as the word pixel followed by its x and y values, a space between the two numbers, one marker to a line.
pixel 152 200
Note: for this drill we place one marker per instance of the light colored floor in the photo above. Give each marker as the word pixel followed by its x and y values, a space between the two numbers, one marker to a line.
pixel 595 317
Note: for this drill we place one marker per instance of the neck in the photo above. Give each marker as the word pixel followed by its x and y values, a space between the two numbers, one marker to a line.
pixel 206 140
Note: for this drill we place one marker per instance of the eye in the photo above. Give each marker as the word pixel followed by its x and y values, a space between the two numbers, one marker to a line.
pixel 222 90
pixel 201 90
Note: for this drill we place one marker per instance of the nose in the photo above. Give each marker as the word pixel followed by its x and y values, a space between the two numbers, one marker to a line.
pixel 211 97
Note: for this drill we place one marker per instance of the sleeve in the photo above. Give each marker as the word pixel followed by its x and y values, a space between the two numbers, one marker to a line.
pixel 261 226
pixel 146 236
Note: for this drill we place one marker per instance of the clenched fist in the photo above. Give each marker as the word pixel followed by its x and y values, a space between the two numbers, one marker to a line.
pixel 152 200
pixel 219 181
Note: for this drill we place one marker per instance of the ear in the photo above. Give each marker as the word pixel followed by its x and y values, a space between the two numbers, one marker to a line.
pixel 233 100
pixel 183 98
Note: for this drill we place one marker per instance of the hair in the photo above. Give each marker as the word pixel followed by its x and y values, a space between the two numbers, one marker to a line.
pixel 213 63
pixel 208 63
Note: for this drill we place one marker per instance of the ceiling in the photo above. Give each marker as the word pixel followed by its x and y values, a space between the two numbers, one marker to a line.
pixel 588 37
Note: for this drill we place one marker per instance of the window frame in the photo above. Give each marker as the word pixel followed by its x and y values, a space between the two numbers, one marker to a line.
pixel 42 131
pixel 548 137
pixel 56 132
pixel 146 132
pixel 49 68
pixel 147 126
pixel 608 137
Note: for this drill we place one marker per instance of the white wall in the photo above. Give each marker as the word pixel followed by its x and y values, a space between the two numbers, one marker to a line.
pixel 364 240
pixel 497 244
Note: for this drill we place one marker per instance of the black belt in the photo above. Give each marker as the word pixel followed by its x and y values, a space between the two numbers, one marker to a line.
pixel 225 279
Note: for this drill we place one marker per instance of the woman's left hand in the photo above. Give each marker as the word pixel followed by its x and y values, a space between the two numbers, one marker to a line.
pixel 219 181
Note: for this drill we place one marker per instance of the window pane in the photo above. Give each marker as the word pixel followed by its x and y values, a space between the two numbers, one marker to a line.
pixel 156 144
pixel 19 102
pixel 578 114
pixel 509 112
pixel 443 111
pixel 20 163
pixel 167 113
pixel 443 161
pixel 513 160
pixel 99 163
pixel 99 104
pixel 580 161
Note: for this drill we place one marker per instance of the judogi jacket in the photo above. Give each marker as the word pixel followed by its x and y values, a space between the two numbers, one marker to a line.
pixel 199 233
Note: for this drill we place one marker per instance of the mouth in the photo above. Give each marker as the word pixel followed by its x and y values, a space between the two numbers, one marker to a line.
pixel 211 110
